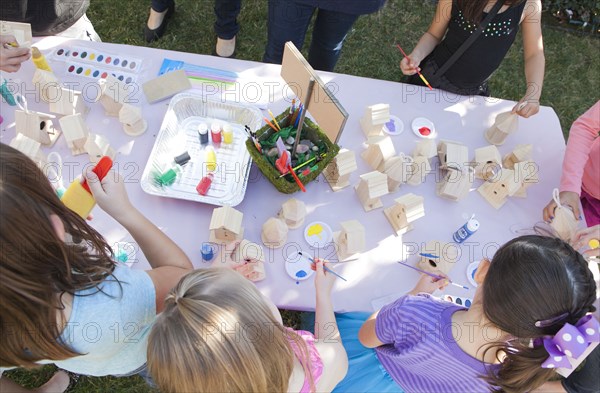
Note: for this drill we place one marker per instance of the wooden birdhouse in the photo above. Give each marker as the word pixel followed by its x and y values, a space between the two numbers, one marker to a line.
pixel 438 257
pixel 404 211
pixel 113 95
pixel 379 149
pixel 97 146
pixel 488 162
pixel 420 168
pixel 453 155
pixel 274 233
pixel 131 118
pixel 293 213
pixel 505 124
pixel 226 225
pixel 350 241
pixel 249 260
pixel 30 148
pixel 496 192
pixel 37 126
pixel 527 173
pixel 46 84
pixel 75 131
pixel 337 173
pixel 426 148
pixel 455 185
pixel 370 188
pixel 520 153
pixel 374 119
pixel 68 102
pixel 398 170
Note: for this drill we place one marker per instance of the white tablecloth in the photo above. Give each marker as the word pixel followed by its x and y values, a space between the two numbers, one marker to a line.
pixel 376 274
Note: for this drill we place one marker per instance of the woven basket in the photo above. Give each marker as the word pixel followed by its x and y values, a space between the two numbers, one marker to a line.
pixel 310 131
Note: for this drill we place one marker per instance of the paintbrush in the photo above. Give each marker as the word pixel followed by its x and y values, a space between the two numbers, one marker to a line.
pixel 437 276
pixel 324 267
pixel 418 72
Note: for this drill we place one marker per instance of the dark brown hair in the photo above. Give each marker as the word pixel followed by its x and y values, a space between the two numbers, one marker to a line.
pixel 36 266
pixel 473 9
pixel 530 279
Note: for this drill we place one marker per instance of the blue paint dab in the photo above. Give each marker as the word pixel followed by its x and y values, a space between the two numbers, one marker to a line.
pixel 301 273
pixel 467 303
pixel 458 301
pixel 391 126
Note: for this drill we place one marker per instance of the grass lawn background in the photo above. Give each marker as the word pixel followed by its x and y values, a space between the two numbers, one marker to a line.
pixel 571 85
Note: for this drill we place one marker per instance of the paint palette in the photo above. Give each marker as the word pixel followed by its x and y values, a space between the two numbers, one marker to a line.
pixel 461 301
pixel 95 64
pixel 393 127
pixel 471 270
pixel 423 128
pixel 318 234
pixel 298 266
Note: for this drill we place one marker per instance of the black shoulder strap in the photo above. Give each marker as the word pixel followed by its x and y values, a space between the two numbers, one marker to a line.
pixel 469 41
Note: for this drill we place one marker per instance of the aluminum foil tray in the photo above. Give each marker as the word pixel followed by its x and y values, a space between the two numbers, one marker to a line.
pixel 179 133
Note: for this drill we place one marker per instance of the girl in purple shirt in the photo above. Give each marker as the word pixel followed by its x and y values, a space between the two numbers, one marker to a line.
pixel 533 286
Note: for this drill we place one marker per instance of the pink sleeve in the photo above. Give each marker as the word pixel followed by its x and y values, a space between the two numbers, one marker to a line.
pixel 581 136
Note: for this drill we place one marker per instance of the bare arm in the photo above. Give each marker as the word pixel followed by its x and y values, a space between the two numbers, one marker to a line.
pixel 535 62
pixel 367 335
pixel 168 261
pixel 430 39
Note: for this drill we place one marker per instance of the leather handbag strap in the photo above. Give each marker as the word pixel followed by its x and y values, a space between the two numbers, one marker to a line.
pixel 469 41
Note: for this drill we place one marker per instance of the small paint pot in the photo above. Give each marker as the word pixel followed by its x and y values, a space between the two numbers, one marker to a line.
pixel 203 133
pixel 227 134
pixel 215 132
pixel 207 251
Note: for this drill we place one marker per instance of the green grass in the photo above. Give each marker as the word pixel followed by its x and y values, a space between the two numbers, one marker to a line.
pixel 571 84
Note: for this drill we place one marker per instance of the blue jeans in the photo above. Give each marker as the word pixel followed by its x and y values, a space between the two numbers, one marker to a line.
pixel 289 21
pixel 226 11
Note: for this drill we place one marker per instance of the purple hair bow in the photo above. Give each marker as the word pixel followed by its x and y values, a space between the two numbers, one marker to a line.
pixel 571 341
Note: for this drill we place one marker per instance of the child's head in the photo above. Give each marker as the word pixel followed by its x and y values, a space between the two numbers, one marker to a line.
pixel 533 279
pixel 218 334
pixel 36 264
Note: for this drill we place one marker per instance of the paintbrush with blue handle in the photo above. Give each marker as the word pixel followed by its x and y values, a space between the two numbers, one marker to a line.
pixel 437 276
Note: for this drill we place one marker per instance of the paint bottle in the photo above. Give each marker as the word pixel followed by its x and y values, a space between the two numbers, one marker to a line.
pixel 469 228
pixel 203 133
pixel 204 184
pixel 227 134
pixel 210 158
pixel 215 132
pixel 39 60
pixel 207 252
pixel 6 94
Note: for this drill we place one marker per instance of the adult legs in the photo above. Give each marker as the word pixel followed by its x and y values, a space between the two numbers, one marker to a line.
pixel 287 21
pixel 329 33
pixel 226 12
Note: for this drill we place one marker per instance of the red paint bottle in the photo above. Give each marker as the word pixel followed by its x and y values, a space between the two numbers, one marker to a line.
pixel 204 184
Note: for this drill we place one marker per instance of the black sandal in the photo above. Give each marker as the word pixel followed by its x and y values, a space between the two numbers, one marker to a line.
pixel 154 34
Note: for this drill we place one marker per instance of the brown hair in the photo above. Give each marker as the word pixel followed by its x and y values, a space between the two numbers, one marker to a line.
pixel 530 279
pixel 217 334
pixel 36 266
pixel 473 9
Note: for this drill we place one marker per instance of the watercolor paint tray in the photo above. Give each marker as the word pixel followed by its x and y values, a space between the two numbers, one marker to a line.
pixel 178 134
pixel 97 64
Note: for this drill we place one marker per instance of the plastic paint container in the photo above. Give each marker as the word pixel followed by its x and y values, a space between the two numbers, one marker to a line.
pixel 207 252
pixel 203 133
pixel 464 232
pixel 215 132
pixel 227 134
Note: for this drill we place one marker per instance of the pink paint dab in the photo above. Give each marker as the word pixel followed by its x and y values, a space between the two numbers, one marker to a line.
pixel 425 131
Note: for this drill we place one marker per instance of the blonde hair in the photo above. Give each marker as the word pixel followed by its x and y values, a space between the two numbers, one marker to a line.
pixel 217 334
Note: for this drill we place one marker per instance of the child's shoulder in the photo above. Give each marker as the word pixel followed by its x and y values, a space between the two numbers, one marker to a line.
pixel 420 301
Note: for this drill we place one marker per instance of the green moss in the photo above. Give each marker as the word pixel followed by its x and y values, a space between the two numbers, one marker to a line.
pixel 310 131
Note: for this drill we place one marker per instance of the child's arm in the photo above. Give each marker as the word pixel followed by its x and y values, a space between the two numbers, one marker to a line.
pixel 329 343
pixel 367 334
pixel 430 39
pixel 168 261
pixel 535 62
pixel 581 138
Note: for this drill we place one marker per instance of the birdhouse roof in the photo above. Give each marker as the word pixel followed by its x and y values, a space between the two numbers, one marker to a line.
pixel 507 122
pixel 488 153
pixel 293 210
pixel 346 162
pixel 353 228
pixel 274 230
pixel 228 218
pixel 376 183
